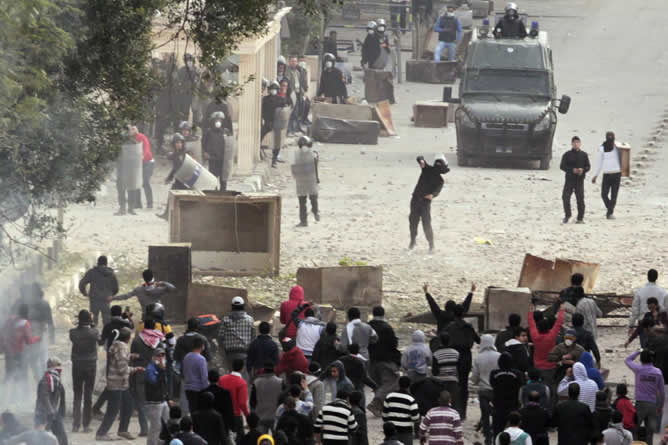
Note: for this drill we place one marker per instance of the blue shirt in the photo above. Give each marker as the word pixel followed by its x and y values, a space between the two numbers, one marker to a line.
pixel 195 374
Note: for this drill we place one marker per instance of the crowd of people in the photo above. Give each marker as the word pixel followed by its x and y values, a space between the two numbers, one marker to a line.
pixel 307 385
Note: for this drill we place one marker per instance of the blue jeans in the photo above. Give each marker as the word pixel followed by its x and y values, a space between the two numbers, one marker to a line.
pixel 452 51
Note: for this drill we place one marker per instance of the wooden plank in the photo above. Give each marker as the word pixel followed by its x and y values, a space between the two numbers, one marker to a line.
pixel 383 114
pixel 342 111
pixel 540 274
pixel 501 302
pixel 173 263
pixel 625 152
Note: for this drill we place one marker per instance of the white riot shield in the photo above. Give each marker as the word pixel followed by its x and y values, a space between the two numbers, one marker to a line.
pixel 196 177
pixel 281 117
pixel 129 166
pixel 303 170
pixel 194 146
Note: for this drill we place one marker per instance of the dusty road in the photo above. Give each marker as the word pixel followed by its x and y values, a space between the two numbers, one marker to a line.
pixel 607 58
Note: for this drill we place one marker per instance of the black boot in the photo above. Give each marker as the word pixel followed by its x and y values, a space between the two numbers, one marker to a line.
pixel 411 246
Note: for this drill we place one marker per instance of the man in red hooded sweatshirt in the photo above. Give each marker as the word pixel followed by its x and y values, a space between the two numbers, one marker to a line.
pixel 292 359
pixel 287 307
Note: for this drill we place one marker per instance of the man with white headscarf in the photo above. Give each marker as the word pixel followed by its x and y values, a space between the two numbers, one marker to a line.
pixel 428 187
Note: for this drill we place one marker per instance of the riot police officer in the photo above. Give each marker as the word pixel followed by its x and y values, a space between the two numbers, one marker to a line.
pixel 192 142
pixel 511 25
pixel 305 172
pixel 213 146
pixel 332 85
pixel 177 156
pixel 371 45
pixel 270 105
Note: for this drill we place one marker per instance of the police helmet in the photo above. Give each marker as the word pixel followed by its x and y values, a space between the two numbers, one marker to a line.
pixel 185 125
pixel 371 25
pixel 281 60
pixel 187 57
pixel 217 115
pixel 265 83
pixel 380 22
pixel 177 137
pixel 155 311
pixel 274 86
pixel 329 57
pixel 511 8
pixel 305 140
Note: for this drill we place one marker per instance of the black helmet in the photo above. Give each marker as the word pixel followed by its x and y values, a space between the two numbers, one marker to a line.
pixel 155 311
pixel 305 140
pixel 178 137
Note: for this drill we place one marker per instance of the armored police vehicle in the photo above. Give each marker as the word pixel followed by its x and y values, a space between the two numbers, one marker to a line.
pixel 508 100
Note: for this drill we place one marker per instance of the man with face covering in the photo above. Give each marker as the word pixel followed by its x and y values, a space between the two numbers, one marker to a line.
pixel 428 187
pixel 177 157
pixel 610 164
pixel 449 30
pixel 213 147
pixel 305 172
pixel 371 45
pixel 511 25
pixel 331 82
pixel 270 103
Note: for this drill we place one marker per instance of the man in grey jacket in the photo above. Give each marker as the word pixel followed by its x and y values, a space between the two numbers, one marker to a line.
pixel 639 305
pixel 150 291
pixel 265 391
pixel 50 405
pixel 356 331
pixel 103 286
pixel 486 362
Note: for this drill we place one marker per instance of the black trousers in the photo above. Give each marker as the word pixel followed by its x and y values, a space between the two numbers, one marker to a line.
pixel 574 184
pixel 464 366
pixel 421 210
pixel 193 400
pixel 610 189
pixel 303 211
pixel 83 382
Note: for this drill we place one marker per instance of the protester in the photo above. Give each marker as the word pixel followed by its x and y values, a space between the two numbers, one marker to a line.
pixel 641 296
pixel 401 410
pixel 506 383
pixel 360 435
pixel 150 291
pixel 442 424
pixel 585 338
pixel 262 350
pixel 649 391
pixel 624 405
pixel 336 422
pixel 156 395
pixel 444 368
pixel 296 300
pixel 142 349
pixel 41 324
pixel 565 354
pixel 17 336
pixel 50 405
pixel 590 311
pixel 603 411
pixel 326 350
pixel 291 359
pixel 514 321
pixel 588 388
pixel 103 286
pixel 462 337
pixel 616 434
pixel 38 436
pixel 296 426
pixel 356 331
pixel 236 385
pixel 84 340
pixel 118 383
pixel 390 433
pixel 518 348
pixel 11 426
pixel 317 388
pixel 186 434
pixel 254 433
pixel 429 186
pixel 445 316
pixel 195 374
pixel 265 392
pixel 535 384
pixel 573 419
pixel 309 331
pixel 209 424
pixel 237 331
pixel 301 394
pixel 610 164
pixel 222 399
pixel 517 434
pixel 655 316
pixel 486 361
pixel 575 164
pixel 356 369
pixel 416 358
pixel 587 360
pixel 184 343
pixel 535 419
pixel 384 360
pixel 335 381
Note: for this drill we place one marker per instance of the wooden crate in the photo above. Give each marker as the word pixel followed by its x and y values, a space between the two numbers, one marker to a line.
pixel 212 299
pixel 231 234
pixel 501 302
pixel 540 274
pixel 428 71
pixel 173 263
pixel 625 152
pixel 430 114
pixel 342 287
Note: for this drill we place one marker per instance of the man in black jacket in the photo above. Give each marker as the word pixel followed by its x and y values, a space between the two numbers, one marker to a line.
pixel 514 321
pixel 186 435
pixel 535 420
pixel 462 337
pixel 446 315
pixel 573 419
pixel 261 350
pixel 103 286
pixel 506 383
pixel 213 147
pixel 331 84
pixel 356 369
pixel 84 340
pixel 222 400
pixel 585 338
pixel 296 426
pixel 428 187
pixel 384 360
pixel 575 163
pixel 208 423
pixel 184 344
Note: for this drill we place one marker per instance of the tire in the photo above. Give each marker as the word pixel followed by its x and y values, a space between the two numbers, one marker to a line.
pixel 545 163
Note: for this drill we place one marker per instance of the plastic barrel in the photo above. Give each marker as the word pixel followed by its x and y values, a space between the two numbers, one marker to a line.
pixel 130 166
pixel 196 177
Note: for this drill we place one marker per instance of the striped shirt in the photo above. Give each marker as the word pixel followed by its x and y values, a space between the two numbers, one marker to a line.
pixel 401 409
pixel 443 426
pixel 446 359
pixel 335 422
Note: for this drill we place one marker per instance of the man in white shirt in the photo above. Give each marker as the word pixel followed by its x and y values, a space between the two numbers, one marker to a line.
pixel 308 332
pixel 610 163
pixel 639 305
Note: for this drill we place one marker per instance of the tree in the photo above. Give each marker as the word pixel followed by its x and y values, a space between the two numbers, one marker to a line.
pixel 74 72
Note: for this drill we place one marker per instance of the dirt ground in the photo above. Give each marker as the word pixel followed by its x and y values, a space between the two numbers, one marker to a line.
pixel 616 80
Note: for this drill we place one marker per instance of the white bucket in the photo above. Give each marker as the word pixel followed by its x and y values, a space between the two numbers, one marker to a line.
pixel 196 177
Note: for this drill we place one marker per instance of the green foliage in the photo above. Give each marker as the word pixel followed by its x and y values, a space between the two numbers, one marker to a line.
pixel 349 262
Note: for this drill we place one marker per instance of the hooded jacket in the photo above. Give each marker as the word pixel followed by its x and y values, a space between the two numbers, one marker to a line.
pixel 588 361
pixel 385 349
pixel 317 388
pixel 118 366
pixel 417 356
pixel 517 436
pixel 485 362
pixel 535 421
pixel 102 281
pixel 520 353
pixel 326 351
pixel 617 435
pixel 588 387
pixel 296 298
pixel 50 396
pixel 290 361
pixel 506 383
pixel 332 387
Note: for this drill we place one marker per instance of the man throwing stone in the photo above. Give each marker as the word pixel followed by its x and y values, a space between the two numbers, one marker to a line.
pixel 428 187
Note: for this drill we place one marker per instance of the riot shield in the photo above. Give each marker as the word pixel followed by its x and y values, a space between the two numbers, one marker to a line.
pixel 304 172
pixel 129 166
pixel 229 156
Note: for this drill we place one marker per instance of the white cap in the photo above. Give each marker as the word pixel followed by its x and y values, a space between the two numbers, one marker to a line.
pixel 238 301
